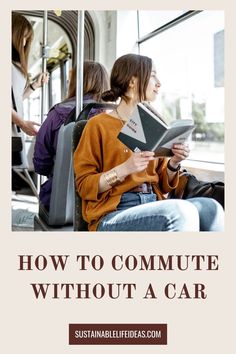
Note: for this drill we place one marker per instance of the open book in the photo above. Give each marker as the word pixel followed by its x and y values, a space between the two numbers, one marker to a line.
pixel 145 130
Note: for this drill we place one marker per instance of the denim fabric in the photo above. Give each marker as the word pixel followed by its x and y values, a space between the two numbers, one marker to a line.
pixel 210 212
pixel 141 212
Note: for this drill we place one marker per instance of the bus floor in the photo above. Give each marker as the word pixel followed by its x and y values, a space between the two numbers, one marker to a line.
pixel 24 208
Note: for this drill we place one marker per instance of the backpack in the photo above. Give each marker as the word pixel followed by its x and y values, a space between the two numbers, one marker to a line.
pixel 190 187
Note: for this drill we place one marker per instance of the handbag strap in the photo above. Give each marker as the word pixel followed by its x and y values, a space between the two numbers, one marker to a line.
pixel 13 100
pixel 14 106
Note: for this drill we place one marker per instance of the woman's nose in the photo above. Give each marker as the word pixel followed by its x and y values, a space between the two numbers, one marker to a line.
pixel 158 83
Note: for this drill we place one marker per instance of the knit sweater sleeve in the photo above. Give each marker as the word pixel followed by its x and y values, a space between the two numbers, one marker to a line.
pixel 88 162
pixel 164 183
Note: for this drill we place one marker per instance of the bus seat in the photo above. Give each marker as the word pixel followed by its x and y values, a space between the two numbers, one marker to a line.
pixel 22 165
pixel 62 196
pixel 41 225
pixel 79 223
pixel 63 199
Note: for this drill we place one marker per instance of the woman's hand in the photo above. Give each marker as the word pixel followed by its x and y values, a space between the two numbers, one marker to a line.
pixel 137 162
pixel 29 127
pixel 42 78
pixel 181 152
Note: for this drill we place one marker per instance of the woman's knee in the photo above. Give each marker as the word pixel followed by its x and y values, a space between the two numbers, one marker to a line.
pixel 172 215
pixel 168 215
pixel 207 206
pixel 211 214
pixel 186 215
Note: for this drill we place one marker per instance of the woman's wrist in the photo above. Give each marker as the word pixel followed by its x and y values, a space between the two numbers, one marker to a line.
pixel 16 119
pixel 173 167
pixel 32 86
pixel 121 172
pixel 113 177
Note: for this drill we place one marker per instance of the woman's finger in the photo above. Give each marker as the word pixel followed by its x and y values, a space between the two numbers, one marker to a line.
pixel 181 151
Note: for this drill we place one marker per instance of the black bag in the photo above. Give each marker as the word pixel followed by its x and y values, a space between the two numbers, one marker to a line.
pixel 190 187
pixel 16 143
pixel 16 148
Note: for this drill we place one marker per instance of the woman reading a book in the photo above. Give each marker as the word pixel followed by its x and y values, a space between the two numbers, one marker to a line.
pixel 123 190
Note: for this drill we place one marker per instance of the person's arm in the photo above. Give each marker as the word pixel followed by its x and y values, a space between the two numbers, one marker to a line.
pixel 181 152
pixel 90 180
pixel 168 168
pixel 137 162
pixel 29 127
pixel 42 78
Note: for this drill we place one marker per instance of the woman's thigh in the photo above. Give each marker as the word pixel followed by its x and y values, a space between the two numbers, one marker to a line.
pixel 166 215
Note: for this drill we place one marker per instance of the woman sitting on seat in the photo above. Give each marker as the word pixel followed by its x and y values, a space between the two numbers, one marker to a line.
pixel 95 81
pixel 123 190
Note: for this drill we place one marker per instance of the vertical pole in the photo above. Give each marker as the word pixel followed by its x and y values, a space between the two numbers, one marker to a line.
pixel 79 77
pixel 44 61
pixel 79 63
pixel 43 89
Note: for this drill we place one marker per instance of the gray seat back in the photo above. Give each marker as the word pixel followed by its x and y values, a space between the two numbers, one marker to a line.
pixel 79 223
pixel 65 208
pixel 62 196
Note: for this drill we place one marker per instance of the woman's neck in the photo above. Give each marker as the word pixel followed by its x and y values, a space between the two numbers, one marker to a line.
pixel 125 109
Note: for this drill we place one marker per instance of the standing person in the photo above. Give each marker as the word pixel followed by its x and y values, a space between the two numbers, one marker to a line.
pixel 22 36
pixel 95 81
pixel 123 190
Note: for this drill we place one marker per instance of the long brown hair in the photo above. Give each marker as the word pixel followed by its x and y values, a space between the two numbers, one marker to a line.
pixel 21 28
pixel 124 69
pixel 95 80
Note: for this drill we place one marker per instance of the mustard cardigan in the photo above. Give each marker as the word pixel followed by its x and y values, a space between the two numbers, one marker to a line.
pixel 98 151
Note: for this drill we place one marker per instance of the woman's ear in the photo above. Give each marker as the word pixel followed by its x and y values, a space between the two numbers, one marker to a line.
pixel 133 82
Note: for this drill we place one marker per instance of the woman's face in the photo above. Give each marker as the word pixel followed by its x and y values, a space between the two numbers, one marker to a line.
pixel 153 86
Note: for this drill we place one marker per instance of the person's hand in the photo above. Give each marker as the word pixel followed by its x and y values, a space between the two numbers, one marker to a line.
pixel 29 127
pixel 137 162
pixel 42 78
pixel 181 152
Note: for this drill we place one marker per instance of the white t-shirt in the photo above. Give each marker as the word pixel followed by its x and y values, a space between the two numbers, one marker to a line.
pixel 18 82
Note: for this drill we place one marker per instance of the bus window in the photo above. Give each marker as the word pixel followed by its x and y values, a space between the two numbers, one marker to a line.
pixel 59 52
pixel 150 20
pixel 56 86
pixel 190 59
